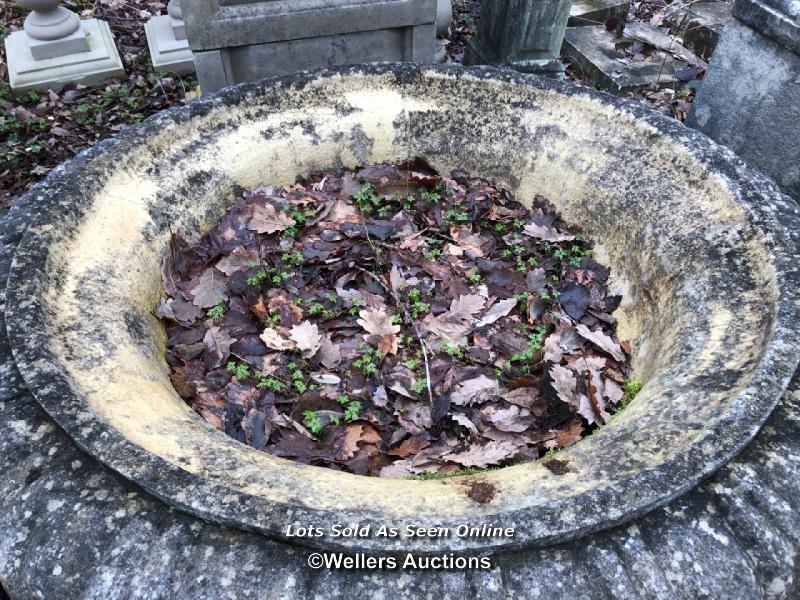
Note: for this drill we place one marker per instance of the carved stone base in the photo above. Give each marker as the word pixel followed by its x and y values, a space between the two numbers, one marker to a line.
pixel 168 53
pixel 100 62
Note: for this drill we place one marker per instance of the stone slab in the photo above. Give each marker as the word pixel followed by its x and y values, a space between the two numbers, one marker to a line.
pixel 750 101
pixel 245 22
pixel 246 41
pixel 596 56
pixel 74 43
pixel 218 68
pixel 100 63
pixel 584 13
pixel 700 25
pixel 167 53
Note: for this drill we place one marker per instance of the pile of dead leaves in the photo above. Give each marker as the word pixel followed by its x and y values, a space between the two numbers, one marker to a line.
pixel 390 321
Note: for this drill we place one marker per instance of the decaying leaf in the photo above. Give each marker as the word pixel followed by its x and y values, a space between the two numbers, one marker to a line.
pixel 498 310
pixel 211 289
pixel 266 219
pixel 273 339
pixel 307 338
pixel 602 341
pixel 377 322
pixel 474 390
pixel 548 234
pixel 492 453
pixel 218 343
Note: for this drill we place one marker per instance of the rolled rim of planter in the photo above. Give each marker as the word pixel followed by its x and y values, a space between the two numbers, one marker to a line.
pixel 700 246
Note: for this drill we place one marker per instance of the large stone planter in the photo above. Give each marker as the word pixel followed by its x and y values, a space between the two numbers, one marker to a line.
pixel 699 244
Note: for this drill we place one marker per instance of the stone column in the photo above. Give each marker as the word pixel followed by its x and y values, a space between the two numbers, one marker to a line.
pixel 525 35
pixel 55 48
pixel 750 96
pixel 166 39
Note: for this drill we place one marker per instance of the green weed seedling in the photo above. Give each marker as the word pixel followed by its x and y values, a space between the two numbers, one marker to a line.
pixel 365 362
pixel 240 371
pixel 313 421
pixel 216 313
pixel 266 381
pixel 366 198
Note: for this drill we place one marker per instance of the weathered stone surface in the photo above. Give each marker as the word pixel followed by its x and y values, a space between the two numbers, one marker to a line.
pixel 246 40
pixel 750 101
pixel 584 13
pixel 71 528
pixel 524 35
pixel 597 55
pixel 700 25
pixel 777 19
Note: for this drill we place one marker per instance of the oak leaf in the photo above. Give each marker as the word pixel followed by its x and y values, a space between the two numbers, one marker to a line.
pixel 273 339
pixel 492 453
pixel 266 219
pixel 479 389
pixel 307 337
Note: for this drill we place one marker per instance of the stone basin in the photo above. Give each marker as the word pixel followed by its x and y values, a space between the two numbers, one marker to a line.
pixel 697 243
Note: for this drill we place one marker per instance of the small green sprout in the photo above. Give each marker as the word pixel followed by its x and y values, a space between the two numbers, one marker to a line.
pixel 240 371
pixel 264 380
pixel 352 411
pixel 217 312
pixel 366 198
pixel 312 420
pixel 419 385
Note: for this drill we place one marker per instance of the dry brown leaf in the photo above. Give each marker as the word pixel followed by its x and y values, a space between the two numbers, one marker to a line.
pixel 548 234
pixel 266 219
pixel 411 445
pixel 377 322
pixel 413 414
pixel 498 310
pixel 510 420
pixel 479 389
pixel 565 384
pixel 238 260
pixel 273 339
pixel 602 341
pixel 525 397
pixel 479 456
pixel 329 354
pixel 211 289
pixel 359 433
pixel 465 421
pixel 219 345
pixel 464 307
pixel 398 469
pixel 307 337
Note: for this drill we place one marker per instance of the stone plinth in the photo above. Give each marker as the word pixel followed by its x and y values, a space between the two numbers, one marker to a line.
pixel 88 67
pixel 750 96
pixel 166 40
pixel 524 35
pixel 236 41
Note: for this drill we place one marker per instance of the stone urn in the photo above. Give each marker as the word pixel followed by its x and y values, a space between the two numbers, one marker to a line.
pixel 699 245
pixel 49 20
